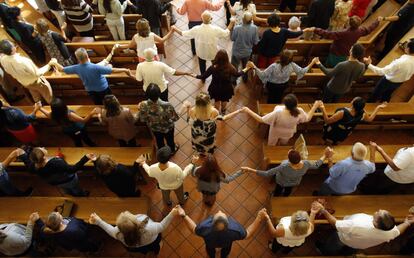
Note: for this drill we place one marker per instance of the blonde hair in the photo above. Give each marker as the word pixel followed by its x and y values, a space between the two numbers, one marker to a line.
pixel 105 164
pixel 203 106
pixel 53 222
pixel 143 27
pixel 131 228
pixel 299 223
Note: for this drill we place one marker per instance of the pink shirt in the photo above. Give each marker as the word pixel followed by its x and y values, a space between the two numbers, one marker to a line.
pixel 194 8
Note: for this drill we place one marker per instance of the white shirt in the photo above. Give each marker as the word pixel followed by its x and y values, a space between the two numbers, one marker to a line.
pixel 289 239
pixel 358 231
pixel 238 9
pixel 116 7
pixel 153 72
pixel 18 240
pixel 22 69
pixel 404 160
pixel 169 179
pixel 399 70
pixel 144 43
pixel 206 39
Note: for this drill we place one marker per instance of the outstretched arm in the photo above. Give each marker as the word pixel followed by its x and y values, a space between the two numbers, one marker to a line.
pixel 386 157
pixel 375 112
pixel 231 115
pixel 253 114
pixel 256 223
pixel 311 112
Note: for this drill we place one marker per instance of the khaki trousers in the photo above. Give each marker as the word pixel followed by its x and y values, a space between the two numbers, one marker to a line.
pixel 40 89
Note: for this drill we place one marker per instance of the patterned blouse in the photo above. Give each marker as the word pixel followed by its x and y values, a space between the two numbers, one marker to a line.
pixel 159 116
pixel 53 49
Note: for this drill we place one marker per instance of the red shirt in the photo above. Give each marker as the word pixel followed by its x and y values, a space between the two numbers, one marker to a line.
pixel 359 7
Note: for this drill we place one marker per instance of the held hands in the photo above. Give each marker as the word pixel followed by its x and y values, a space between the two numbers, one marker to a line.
pixel 33 217
pixel 130 74
pixel 409 219
pixel 316 60
pixel 373 146
pixel 311 29
pixel 180 210
pixel 37 106
pixel 52 62
pixel 383 105
pixel 250 65
pixel 247 169
pixel 316 207
pixel 380 18
pixel 93 218
pixel 262 214
pixel 367 60
pixel 18 152
pixel 141 160
pixel 329 152
pixel 91 156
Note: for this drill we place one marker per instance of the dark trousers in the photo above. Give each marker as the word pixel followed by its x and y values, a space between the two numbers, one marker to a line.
pixel 190 25
pixel 164 95
pixel 326 190
pixel 73 188
pixel 168 137
pixel 288 3
pixel 81 136
pixel 130 143
pixel 377 183
pixel 7 188
pixel 211 251
pixel 275 92
pixel 276 247
pixel 89 33
pixel 282 191
pixel 383 90
pixel 154 247
pixel 98 96
pixel 330 97
pixel 202 65
pixel 333 246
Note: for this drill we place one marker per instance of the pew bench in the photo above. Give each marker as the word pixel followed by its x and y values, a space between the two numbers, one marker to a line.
pixel 301 5
pixel 107 208
pixel 284 17
pixel 355 256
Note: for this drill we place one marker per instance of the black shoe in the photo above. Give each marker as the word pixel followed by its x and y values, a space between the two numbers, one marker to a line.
pixel 186 196
pixel 169 203
pixel 28 192
pixel 177 147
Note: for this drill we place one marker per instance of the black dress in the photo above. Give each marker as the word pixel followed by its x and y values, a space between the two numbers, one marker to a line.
pixel 340 130
pixel 221 88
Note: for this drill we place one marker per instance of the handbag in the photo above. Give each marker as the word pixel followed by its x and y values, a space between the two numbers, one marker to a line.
pixel 300 146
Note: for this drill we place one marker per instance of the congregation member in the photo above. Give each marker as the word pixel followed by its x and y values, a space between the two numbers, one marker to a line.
pixel 206 38
pixel 119 120
pixel 394 74
pixel 170 176
pixel 222 72
pixel 194 10
pixel 160 117
pixel 346 174
pixel 7 188
pixel 319 13
pixel 360 231
pixel 16 239
pixel 151 10
pixel 137 232
pixel 276 76
pixel 290 172
pixel 18 123
pixel 119 178
pixel 55 7
pixel 26 72
pixel 113 10
pixel 210 176
pixel 343 122
pixel 291 232
pixel 344 40
pixel 283 120
pixel 92 75
pixel 343 74
pixel 69 233
pixel 340 17
pixel 220 230
pixel 244 37
pixel 5 18
pixel 291 4
pixel 55 170
pixel 153 71
pixel 72 124
pixel 359 8
pixel 294 25
pixel 79 14
pixel 399 172
pixel 242 6
pixel 54 43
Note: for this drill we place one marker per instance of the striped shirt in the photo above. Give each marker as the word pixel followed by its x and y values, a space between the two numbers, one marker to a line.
pixel 80 16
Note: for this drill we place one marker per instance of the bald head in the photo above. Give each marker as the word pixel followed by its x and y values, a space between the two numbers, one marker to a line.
pixel 206 17
pixel 247 17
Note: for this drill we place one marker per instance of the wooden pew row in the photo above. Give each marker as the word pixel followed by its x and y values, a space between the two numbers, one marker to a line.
pixel 108 208
pixel 355 256
pixel 301 5
pixel 284 17
pixel 398 205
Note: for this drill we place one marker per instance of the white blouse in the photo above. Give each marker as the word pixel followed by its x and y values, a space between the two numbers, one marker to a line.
pixel 289 239
pixel 144 43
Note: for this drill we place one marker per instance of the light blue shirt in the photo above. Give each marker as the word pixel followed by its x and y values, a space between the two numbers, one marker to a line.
pixel 92 75
pixel 245 37
pixel 278 75
pixel 345 175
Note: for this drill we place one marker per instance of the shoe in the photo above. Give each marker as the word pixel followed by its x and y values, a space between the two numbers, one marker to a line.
pixel 169 203
pixel 28 192
pixel 186 196
pixel 177 147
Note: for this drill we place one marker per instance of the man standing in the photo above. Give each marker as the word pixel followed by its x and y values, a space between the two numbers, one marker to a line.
pixel 206 38
pixel 26 72
pixel 92 75
pixel 345 175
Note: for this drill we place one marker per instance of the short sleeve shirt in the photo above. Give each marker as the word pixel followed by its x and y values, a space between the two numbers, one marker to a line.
pixel 153 72
pixel 404 160
pixel 92 75
pixel 159 116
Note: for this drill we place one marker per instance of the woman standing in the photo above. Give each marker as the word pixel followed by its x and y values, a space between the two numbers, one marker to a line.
pixel 120 121
pixel 209 178
pixel 113 10
pixel 79 15
pixel 283 120
pixel 221 88
pixel 339 19
pixel 341 124
pixel 242 6
pixel 276 76
pixel 72 124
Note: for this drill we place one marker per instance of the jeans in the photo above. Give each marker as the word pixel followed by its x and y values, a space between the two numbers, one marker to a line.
pixel 72 187
pixel 235 61
pixel 190 25
pixel 117 28
pixel 168 137
pixel 179 192
pixel 330 97
pixel 81 136
pixel 383 90
pixel 275 92
pixel 326 190
pixel 6 186
pixel 98 96
pixel 130 143
pixel 211 251
pixel 202 65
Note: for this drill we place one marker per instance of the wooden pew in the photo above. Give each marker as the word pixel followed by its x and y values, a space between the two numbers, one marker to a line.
pixel 284 17
pixel 301 5
pixel 398 205
pixel 355 256
pixel 108 208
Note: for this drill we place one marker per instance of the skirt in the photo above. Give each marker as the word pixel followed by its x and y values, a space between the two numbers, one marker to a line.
pixel 27 135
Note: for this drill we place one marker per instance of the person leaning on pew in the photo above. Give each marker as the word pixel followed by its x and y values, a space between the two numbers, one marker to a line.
pixel 92 75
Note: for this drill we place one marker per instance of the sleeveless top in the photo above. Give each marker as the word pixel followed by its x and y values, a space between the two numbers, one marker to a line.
pixel 203 135
pixel 341 129
pixel 144 43
pixel 289 239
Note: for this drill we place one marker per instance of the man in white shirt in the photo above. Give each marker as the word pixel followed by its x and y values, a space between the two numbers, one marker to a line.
pixel 361 231
pixel 170 176
pixel 396 73
pixel 206 38
pixel 399 172
pixel 26 72
pixel 152 71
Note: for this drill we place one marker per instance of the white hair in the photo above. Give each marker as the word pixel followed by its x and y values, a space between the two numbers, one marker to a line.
pixel 359 151
pixel 81 54
pixel 149 54
pixel 294 22
pixel 206 14
pixel 247 17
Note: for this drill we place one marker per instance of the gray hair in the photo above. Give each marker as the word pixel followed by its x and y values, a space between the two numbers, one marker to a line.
pixel 206 17
pixel 359 151
pixel 294 22
pixel 149 54
pixel 247 17
pixel 81 54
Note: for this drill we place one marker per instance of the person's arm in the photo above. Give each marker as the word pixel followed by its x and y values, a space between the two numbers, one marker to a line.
pixel 213 7
pixel 293 34
pixel 316 207
pixel 409 220
pixel 233 177
pixel 372 149
pixel 158 227
pixel 328 71
pixel 76 118
pixel 12 157
pixel 387 158
pixel 109 229
pixel 332 119
pixel 232 12
pixel 329 217
pixel 36 108
pixel 183 9
pixel 367 30
pixel 274 231
pixel 78 166
pixel 253 114
pixel 311 112
pixel 206 74
pixel 132 44
pixel 231 115
pixel 263 173
pixel 47 114
pixel 255 225
pixel 121 70
pixel 374 113
pixel 326 34
pixel 187 170
pixel 29 227
pixel 391 18
pixel 163 39
pixel 187 220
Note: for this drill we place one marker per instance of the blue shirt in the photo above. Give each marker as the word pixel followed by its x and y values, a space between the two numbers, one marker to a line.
pixel 92 75
pixel 16 119
pixel 220 239
pixel 245 37
pixel 345 175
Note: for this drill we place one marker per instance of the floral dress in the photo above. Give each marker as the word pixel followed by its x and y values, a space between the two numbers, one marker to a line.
pixel 203 135
pixel 49 43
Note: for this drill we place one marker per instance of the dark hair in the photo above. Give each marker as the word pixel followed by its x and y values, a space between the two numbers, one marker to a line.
pixel 6 47
pixel 107 6
pixel 358 51
pixel 358 105
pixel 210 171
pixel 286 57
pixel 13 13
pixel 60 111
pixel 245 3
pixel 410 46
pixel 164 154
pixel 112 106
pixel 294 157
pixel 354 22
pixel 222 64
pixel 385 222
pixel 153 92
pixel 273 20
pixel 291 104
